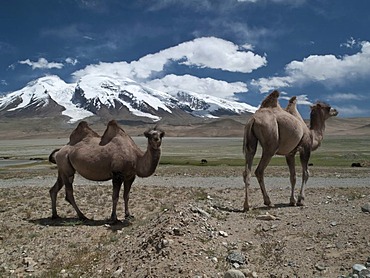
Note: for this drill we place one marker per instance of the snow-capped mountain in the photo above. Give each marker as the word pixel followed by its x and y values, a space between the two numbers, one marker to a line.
pixel 108 96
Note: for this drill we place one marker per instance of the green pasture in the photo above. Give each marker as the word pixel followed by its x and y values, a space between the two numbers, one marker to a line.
pixel 334 151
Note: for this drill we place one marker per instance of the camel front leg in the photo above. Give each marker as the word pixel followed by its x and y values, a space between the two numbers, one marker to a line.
pixel 304 157
pixel 260 171
pixel 53 195
pixel 117 183
pixel 126 195
pixel 290 160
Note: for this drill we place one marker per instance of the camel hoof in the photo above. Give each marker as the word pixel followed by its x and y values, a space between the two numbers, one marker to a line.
pixel 300 202
pixel 83 218
pixel 55 217
pixel 113 221
pixel 129 217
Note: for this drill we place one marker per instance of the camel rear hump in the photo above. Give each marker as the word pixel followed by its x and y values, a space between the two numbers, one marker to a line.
pixel 112 130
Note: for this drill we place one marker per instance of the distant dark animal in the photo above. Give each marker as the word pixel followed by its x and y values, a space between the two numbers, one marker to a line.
pixel 310 164
pixel 203 161
pixel 356 164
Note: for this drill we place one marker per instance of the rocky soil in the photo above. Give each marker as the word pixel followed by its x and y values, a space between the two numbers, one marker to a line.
pixel 181 229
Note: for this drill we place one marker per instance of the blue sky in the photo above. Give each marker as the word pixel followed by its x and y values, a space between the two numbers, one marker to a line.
pixel 241 49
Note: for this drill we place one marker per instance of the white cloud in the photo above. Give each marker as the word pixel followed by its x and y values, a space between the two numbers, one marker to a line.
pixel 345 97
pixel 326 69
pixel 350 43
pixel 268 84
pixel 71 61
pixel 301 99
pixel 207 52
pixel 42 63
pixel 351 111
pixel 191 83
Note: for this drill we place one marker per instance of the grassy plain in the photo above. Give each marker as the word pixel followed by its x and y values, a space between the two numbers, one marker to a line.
pixel 29 156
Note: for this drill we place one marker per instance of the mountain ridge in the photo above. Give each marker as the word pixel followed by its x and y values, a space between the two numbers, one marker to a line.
pixel 106 96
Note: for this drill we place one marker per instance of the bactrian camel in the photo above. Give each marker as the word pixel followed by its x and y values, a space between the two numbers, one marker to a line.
pixel 282 132
pixel 114 156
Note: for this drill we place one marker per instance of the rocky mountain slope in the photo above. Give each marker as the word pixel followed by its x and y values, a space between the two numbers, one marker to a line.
pixel 107 96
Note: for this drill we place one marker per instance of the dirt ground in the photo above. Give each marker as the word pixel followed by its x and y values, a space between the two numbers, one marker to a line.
pixel 183 231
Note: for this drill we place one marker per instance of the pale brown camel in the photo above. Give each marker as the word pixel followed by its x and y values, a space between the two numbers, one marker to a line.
pixel 113 156
pixel 283 133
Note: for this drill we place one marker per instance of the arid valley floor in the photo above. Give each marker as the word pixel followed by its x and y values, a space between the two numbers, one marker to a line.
pixel 188 217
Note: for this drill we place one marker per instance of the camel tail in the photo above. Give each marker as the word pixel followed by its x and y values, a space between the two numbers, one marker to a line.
pixel 250 140
pixel 52 156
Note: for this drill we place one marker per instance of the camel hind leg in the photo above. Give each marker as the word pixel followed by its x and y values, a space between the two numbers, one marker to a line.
pixel 290 159
pixel 249 148
pixel 117 183
pixel 260 171
pixel 249 155
pixel 53 195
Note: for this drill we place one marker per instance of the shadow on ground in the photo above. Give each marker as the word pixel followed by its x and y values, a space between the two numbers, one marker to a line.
pixel 65 222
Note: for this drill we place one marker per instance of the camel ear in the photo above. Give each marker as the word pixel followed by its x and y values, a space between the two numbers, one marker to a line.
pixel 162 134
pixel 147 133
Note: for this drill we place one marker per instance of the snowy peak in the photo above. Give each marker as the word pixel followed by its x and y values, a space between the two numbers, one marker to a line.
pixel 108 96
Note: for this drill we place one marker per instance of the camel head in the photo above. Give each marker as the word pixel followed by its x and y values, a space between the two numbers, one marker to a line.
pixel 323 111
pixel 154 137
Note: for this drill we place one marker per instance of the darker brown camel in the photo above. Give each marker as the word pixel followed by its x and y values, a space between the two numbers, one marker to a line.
pixel 114 156
pixel 282 132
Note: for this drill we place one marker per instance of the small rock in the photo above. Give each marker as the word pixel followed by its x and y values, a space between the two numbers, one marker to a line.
pixel 201 212
pixel 236 257
pixel 214 260
pixel 254 274
pixel 177 232
pixel 366 207
pixel 333 223
pixel 356 268
pixel 320 267
pixel 118 272
pixel 222 233
pixel 365 273
pixel 266 217
pixel 234 273
pixel 165 243
pixel 236 265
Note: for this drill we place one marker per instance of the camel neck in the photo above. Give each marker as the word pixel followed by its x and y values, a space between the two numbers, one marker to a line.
pixel 317 128
pixel 148 162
